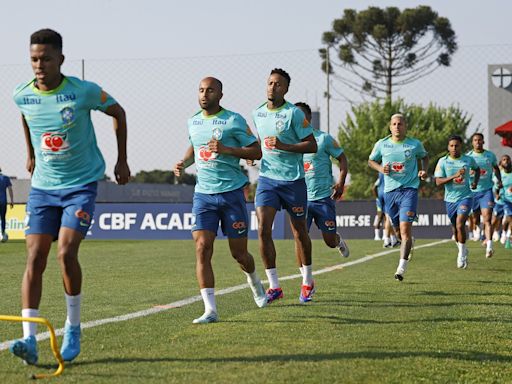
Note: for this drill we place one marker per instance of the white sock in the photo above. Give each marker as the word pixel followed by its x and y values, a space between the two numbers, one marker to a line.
pixel 460 246
pixel 386 239
pixel 377 233
pixel 29 328
pixel 489 245
pixel 272 278
pixel 402 264
pixel 252 278
pixel 73 307
pixel 208 295
pixel 307 277
pixel 393 238
pixel 301 269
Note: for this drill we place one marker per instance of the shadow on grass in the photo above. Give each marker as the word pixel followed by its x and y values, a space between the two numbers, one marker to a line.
pixel 473 356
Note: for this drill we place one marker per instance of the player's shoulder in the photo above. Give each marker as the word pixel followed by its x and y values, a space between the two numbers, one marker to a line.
pixel 383 140
pixel 260 108
pixel 197 115
pixel 75 82
pixel 22 87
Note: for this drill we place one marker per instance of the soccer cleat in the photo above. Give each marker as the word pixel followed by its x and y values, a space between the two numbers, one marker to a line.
pixel 386 244
pixel 396 244
pixel 462 259
pixel 259 294
pixel 25 349
pixel 71 342
pixel 5 237
pixel 399 274
pixel 495 236
pixel 377 238
pixel 489 253
pixel 503 239
pixel 343 247
pixel 306 292
pixel 208 317
pixel 274 294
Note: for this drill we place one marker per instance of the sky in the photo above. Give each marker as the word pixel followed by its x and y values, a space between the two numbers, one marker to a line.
pixel 194 29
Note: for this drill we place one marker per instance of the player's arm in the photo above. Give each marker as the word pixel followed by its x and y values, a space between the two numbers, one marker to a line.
pixel 497 174
pixel 31 159
pixel 307 145
pixel 423 167
pixel 187 161
pixel 11 195
pixel 340 185
pixel 121 170
pixel 445 180
pixel 474 184
pixel 250 152
pixel 384 169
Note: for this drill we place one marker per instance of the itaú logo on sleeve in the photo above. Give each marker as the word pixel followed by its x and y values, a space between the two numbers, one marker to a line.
pixel 54 142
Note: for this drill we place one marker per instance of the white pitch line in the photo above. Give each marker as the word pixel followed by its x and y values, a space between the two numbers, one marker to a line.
pixel 225 291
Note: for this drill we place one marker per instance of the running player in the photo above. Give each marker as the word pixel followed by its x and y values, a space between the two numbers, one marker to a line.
pixel 322 192
pixel 65 163
pixel 453 172
pixel 388 233
pixel 397 157
pixel 506 178
pixel 483 199
pixel 498 212
pixel 286 135
pixel 219 138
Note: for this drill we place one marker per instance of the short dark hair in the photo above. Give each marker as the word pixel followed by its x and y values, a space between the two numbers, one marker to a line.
pixel 477 134
pixel 47 36
pixel 455 137
pixel 283 73
pixel 304 107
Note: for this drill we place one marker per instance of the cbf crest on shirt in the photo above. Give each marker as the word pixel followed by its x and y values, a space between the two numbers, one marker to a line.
pixel 290 126
pixel 61 131
pixel 218 173
pixel 402 158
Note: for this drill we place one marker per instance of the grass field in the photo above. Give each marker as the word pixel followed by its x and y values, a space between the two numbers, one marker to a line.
pixel 440 325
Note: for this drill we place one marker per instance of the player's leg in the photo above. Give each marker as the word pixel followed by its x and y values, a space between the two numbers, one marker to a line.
pixel 407 202
pixel 78 209
pixel 41 228
pixel 327 224
pixel 378 221
pixel 3 213
pixel 206 212
pixel 234 222
pixel 463 208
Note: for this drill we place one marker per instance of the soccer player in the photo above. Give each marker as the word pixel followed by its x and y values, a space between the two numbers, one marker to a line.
pixel 453 172
pixel 483 199
pixel 286 135
pixel 506 178
pixel 397 156
pixel 219 139
pixel 65 163
pixel 5 184
pixel 319 182
pixel 498 212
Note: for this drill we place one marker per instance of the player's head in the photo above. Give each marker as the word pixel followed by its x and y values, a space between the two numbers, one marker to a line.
pixel 455 146
pixel 477 141
pixel 398 126
pixel 305 109
pixel 210 93
pixel 505 162
pixel 277 85
pixel 46 56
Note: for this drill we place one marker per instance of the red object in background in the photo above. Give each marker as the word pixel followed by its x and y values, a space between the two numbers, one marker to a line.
pixel 505 131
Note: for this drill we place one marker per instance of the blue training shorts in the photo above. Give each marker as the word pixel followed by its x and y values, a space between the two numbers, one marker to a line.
pixel 50 209
pixel 483 200
pixel 323 212
pixel 401 205
pixel 498 210
pixel 227 207
pixel 462 207
pixel 290 195
pixel 379 201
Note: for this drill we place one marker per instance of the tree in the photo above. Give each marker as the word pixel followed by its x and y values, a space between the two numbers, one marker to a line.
pixel 158 176
pixel 387 48
pixel 370 122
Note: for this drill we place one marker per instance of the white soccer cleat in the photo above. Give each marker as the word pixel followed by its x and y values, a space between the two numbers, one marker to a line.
pixel 489 253
pixel 208 317
pixel 377 238
pixel 495 236
pixel 343 247
pixel 259 294
pixel 399 274
pixel 462 259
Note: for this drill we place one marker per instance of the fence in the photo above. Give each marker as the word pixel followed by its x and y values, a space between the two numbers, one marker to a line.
pixel 160 94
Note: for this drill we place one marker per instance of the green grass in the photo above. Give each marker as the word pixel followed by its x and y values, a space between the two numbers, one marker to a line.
pixel 440 325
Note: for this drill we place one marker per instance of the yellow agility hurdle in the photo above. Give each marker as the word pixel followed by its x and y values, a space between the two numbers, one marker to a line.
pixel 53 343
